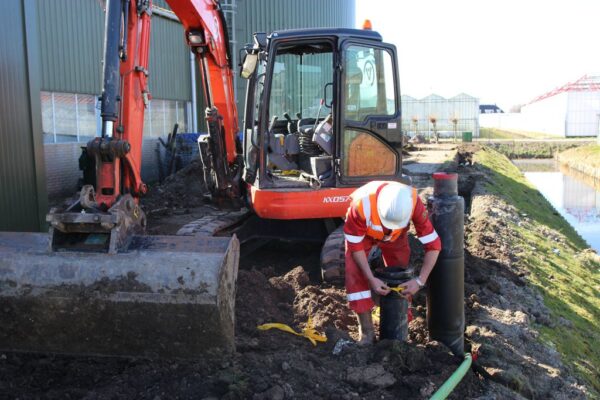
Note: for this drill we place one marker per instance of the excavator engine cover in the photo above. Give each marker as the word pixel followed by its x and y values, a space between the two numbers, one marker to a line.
pixel 165 296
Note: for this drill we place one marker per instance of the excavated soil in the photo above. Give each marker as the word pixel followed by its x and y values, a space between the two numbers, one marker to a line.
pixel 280 283
pixel 276 284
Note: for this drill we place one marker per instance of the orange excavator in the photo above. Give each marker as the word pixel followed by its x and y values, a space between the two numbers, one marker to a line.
pixel 322 117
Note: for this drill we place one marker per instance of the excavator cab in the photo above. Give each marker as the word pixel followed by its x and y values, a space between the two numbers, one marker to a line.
pixel 322 111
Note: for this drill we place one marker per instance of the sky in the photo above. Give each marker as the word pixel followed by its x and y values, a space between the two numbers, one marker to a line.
pixel 504 52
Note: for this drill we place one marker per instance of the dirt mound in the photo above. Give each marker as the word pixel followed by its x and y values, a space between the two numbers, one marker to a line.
pixel 276 364
pixel 184 189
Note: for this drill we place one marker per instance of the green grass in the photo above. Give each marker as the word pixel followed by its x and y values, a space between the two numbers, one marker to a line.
pixel 569 280
pixel 589 154
pixel 538 149
pixel 494 133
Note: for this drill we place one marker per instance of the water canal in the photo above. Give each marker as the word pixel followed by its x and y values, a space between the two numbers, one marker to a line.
pixel 576 198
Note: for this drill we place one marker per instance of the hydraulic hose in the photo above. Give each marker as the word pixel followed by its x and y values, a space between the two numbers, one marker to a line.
pixel 454 379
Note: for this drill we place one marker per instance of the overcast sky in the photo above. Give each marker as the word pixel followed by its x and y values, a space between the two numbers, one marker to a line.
pixel 505 51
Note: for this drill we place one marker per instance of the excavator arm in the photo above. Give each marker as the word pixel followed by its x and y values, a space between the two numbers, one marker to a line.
pixel 206 34
pixel 109 213
pixel 102 286
pixel 125 96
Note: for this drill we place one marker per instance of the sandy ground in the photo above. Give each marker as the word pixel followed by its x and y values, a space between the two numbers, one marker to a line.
pixel 280 283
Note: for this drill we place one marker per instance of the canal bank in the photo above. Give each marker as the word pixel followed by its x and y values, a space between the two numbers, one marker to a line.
pixel 585 159
pixel 574 195
pixel 528 148
pixel 512 222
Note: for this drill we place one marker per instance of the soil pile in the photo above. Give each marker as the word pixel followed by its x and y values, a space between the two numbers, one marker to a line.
pixel 267 364
pixel 180 191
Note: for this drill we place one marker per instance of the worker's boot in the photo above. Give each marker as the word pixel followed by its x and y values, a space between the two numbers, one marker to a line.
pixel 366 329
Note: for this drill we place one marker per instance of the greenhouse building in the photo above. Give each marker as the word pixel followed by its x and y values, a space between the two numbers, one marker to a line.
pixel 446 116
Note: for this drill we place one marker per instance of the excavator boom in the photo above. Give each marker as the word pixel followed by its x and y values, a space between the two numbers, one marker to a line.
pixel 96 284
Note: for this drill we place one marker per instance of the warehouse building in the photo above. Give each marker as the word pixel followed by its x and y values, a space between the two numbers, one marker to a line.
pixel 449 116
pixel 50 79
pixel 571 110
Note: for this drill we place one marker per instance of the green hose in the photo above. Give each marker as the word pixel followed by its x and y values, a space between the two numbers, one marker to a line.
pixel 454 379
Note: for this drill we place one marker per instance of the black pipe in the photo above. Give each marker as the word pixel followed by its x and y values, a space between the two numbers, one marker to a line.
pixel 445 286
pixel 110 77
pixel 393 308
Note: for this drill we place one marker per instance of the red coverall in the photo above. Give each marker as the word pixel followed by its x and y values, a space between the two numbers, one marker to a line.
pixel 396 253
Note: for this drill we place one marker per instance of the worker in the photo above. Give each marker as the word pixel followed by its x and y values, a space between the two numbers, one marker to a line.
pixel 379 215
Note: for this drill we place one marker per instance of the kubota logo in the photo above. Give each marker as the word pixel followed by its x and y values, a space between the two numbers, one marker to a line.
pixel 336 199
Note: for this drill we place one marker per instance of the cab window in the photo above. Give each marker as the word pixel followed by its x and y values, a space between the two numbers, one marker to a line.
pixel 369 81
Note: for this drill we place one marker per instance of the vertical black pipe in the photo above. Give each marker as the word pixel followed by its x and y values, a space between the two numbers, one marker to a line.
pixel 393 317
pixel 393 308
pixel 445 286
pixel 110 76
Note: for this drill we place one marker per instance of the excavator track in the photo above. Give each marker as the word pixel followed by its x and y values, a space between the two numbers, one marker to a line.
pixel 332 257
pixel 215 223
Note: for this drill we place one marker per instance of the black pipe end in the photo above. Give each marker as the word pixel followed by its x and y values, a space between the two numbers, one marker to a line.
pixel 394 276
pixel 445 184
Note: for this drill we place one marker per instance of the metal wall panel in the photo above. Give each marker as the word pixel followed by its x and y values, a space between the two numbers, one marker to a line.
pixel 71 41
pixel 71 45
pixel 22 181
pixel 270 15
pixel 169 61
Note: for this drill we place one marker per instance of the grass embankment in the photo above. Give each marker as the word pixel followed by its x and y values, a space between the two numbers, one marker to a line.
pixel 584 159
pixel 538 149
pixel 560 266
pixel 494 133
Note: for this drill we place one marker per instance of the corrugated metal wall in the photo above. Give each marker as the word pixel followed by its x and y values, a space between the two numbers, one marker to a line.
pixel 22 186
pixel 271 15
pixel 71 45
pixel 169 61
pixel 71 41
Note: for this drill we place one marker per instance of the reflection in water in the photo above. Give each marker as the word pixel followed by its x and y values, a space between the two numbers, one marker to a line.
pixel 577 201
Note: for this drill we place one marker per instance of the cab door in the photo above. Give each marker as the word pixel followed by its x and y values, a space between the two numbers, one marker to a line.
pixel 370 138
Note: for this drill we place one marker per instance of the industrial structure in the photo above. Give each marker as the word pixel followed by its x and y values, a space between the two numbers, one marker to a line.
pixel 53 56
pixel 570 110
pixel 447 116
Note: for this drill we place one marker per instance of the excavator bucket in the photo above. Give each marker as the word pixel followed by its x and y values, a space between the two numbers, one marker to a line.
pixel 165 296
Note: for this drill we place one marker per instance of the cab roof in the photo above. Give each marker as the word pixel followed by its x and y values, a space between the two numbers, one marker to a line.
pixel 341 33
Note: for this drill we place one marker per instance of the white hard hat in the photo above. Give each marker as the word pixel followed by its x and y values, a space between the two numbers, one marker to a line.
pixel 394 205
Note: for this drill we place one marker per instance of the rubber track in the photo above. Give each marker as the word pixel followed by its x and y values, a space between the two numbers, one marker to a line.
pixel 211 224
pixel 332 257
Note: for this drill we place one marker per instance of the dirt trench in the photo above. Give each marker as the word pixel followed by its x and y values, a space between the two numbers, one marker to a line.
pixel 280 283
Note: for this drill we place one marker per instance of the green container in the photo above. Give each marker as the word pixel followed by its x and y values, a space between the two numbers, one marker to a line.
pixel 467 136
